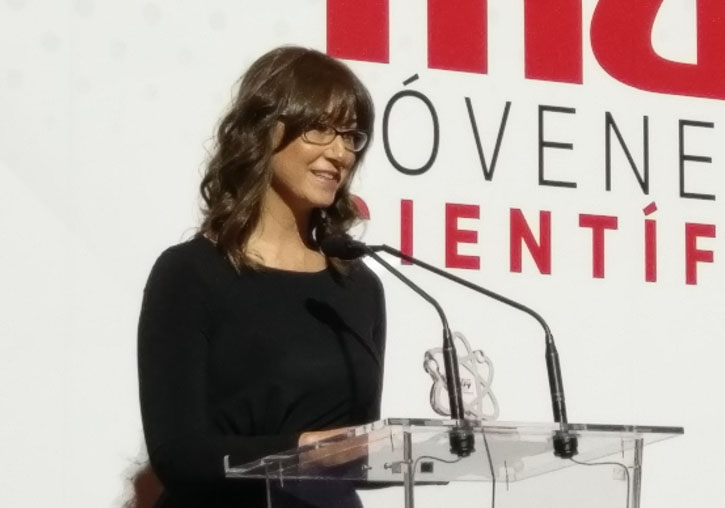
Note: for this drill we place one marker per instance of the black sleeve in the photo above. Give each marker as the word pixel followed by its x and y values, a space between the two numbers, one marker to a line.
pixel 173 336
pixel 379 329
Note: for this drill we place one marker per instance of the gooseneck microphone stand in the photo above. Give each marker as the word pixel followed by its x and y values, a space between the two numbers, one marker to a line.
pixel 461 436
pixel 565 444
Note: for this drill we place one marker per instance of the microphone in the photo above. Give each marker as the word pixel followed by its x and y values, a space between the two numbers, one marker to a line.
pixel 565 444
pixel 343 247
pixel 461 437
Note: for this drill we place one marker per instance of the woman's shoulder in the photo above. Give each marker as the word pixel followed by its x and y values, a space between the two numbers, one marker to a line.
pixel 361 274
pixel 196 248
pixel 196 260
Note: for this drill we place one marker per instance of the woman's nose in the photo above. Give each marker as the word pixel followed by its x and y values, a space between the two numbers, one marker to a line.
pixel 337 149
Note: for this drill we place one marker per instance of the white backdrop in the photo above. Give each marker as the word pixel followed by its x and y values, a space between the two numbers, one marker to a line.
pixel 105 112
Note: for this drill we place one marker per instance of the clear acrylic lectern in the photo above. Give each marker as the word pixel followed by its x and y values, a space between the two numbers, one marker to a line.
pixel 402 462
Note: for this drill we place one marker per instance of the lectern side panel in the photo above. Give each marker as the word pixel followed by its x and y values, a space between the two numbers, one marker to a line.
pixel 576 487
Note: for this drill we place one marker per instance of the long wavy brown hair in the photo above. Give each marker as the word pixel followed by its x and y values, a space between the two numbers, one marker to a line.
pixel 296 86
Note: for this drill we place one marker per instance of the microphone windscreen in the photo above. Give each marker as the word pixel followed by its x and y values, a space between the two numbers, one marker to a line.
pixel 342 247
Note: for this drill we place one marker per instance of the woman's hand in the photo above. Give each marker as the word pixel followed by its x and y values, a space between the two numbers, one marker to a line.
pixel 307 438
pixel 336 452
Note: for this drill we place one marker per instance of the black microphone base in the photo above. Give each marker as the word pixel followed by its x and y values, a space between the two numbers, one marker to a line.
pixel 462 441
pixel 566 445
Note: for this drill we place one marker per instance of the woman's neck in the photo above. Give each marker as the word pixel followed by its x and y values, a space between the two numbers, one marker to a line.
pixel 282 238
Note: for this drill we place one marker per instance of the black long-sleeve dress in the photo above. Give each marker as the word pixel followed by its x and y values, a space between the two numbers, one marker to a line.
pixel 243 363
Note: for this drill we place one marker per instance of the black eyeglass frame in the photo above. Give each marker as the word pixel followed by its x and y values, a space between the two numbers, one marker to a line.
pixel 362 136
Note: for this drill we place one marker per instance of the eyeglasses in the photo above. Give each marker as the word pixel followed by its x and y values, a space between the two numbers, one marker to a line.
pixel 320 134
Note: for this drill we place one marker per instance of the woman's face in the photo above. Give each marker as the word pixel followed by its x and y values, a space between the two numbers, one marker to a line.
pixel 306 175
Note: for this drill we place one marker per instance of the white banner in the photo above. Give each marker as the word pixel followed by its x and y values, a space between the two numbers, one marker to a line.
pixel 565 153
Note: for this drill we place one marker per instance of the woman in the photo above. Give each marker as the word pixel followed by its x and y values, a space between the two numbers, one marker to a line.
pixel 251 341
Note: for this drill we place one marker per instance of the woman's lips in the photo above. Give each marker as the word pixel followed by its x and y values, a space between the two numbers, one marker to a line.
pixel 326 176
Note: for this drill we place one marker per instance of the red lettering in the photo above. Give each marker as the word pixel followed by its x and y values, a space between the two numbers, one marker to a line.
pixel 457 36
pixel 621 34
pixel 553 40
pixel 358 30
pixel 598 223
pixel 455 236
pixel 521 233
pixel 406 228
pixel 650 244
pixel 693 255
pixel 621 39
pixel 650 250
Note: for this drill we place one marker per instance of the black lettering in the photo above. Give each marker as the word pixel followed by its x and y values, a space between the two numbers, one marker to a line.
pixel 692 158
pixel 552 144
pixel 642 178
pixel 436 132
pixel 488 172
